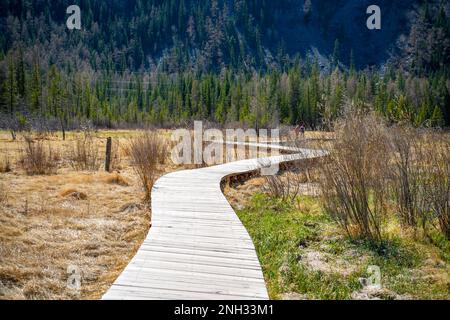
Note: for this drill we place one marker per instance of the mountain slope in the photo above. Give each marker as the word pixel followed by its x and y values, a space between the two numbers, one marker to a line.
pixel 205 35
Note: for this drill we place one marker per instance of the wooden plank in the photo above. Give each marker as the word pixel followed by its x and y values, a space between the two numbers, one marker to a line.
pixel 197 247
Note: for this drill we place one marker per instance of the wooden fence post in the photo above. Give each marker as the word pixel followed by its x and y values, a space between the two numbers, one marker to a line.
pixel 108 154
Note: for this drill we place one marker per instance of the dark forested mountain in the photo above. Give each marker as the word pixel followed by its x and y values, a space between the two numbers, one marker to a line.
pixel 246 61
pixel 181 34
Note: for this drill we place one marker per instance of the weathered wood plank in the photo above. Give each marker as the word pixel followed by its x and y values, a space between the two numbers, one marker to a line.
pixel 197 247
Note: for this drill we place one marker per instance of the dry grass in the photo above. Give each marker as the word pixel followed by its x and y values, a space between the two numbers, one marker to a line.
pixel 73 193
pixel 116 178
pixel 93 220
pixel 67 220
pixel 3 194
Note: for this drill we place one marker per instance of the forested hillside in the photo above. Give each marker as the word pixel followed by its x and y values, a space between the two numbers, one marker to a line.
pixel 165 62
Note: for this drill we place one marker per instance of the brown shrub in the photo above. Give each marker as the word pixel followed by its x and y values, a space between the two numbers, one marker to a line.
pixel 420 179
pixel 5 164
pixel 84 154
pixel 36 159
pixel 407 177
pixel 146 152
pixel 436 182
pixel 354 180
pixel 287 186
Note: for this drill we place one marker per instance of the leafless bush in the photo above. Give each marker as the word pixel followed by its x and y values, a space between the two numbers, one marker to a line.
pixel 36 159
pixel 84 154
pixel 436 179
pixel 420 180
pixel 287 185
pixel 146 152
pixel 407 175
pixel 5 164
pixel 354 180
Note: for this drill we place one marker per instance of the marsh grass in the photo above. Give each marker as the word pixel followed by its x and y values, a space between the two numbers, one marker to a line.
pixel 67 218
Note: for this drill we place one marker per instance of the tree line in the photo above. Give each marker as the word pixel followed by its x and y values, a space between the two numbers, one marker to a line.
pixel 301 93
pixel 155 62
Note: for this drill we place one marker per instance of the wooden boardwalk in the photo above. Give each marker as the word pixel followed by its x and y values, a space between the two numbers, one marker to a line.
pixel 197 248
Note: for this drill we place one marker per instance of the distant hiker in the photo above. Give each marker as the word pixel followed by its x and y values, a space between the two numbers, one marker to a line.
pixel 302 130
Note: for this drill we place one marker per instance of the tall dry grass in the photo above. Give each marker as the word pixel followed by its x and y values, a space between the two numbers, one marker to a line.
pixel 354 182
pixel 146 151
pixel 37 159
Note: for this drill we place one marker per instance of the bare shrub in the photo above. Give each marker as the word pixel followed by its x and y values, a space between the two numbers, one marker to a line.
pixel 354 180
pixel 37 159
pixel 84 154
pixel 146 152
pixel 5 164
pixel 407 175
pixel 420 180
pixel 436 179
pixel 287 186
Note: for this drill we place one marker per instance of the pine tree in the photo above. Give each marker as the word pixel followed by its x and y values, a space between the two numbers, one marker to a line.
pixel 437 118
pixel 20 74
pixel 36 89
pixel 10 87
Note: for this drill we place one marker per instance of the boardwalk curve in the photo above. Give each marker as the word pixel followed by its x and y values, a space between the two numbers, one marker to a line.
pixel 197 248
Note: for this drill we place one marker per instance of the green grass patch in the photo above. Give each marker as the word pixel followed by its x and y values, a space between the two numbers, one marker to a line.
pixel 284 233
